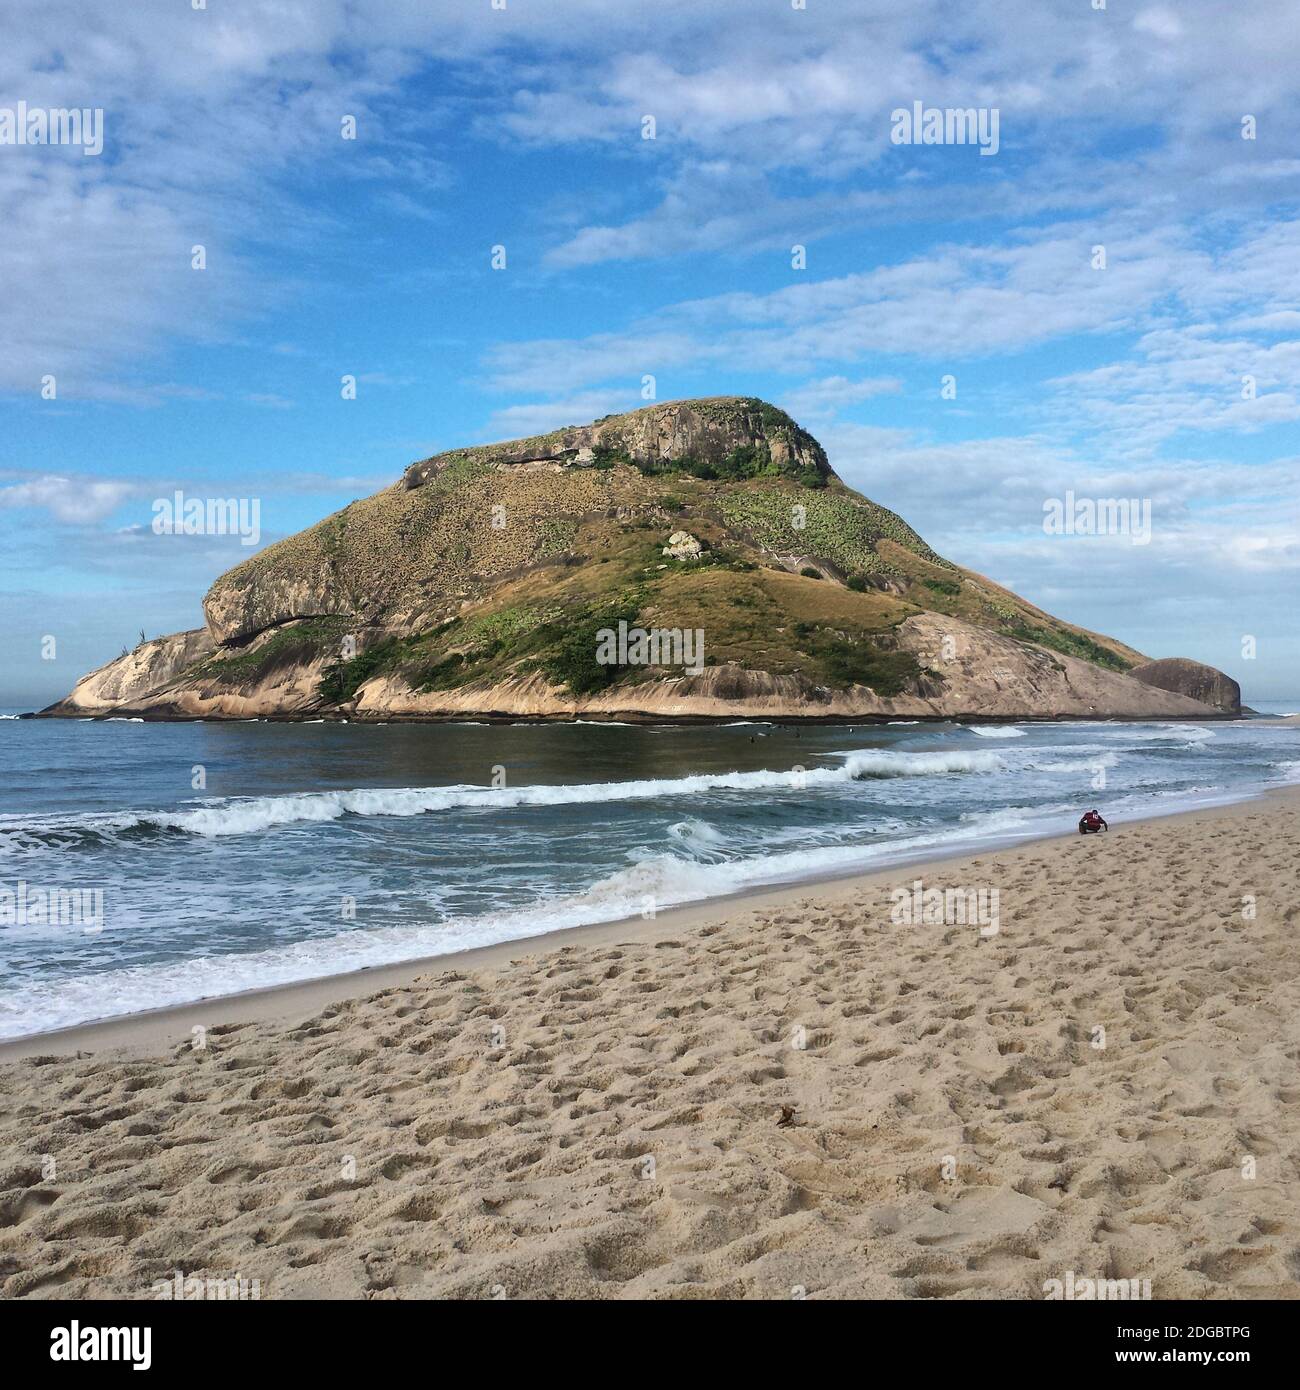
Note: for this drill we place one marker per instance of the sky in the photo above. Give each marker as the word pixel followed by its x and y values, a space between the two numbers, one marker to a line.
pixel 1104 305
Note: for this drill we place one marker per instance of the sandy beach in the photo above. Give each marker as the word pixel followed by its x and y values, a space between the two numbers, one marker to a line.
pixel 798 1093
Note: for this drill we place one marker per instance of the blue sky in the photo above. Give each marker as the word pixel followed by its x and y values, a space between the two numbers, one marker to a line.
pixel 523 127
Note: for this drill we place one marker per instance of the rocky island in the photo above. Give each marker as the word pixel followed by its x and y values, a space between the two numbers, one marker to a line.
pixel 478 586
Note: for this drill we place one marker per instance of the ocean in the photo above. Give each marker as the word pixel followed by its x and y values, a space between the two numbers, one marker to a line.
pixel 144 865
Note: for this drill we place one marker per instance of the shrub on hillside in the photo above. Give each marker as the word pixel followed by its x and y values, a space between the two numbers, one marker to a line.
pixel 887 673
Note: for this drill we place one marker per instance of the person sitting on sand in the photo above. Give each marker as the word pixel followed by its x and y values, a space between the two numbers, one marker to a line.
pixel 1092 823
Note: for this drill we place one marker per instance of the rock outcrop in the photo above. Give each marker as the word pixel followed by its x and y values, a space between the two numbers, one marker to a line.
pixel 707 431
pixel 134 676
pixel 683 546
pixel 478 585
pixel 977 675
pixel 1198 682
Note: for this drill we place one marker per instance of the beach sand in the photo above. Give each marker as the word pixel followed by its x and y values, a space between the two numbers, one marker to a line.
pixel 779 1096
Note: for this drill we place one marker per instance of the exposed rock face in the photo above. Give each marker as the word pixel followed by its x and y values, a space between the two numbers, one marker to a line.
pixel 707 430
pixel 683 546
pixel 474 587
pixel 237 611
pixel 1204 684
pixel 978 674
pixel 985 676
pixel 136 675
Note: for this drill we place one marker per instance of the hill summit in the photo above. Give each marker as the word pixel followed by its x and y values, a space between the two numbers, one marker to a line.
pixel 575 572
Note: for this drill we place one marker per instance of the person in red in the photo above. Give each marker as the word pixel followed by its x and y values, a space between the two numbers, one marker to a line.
pixel 1092 823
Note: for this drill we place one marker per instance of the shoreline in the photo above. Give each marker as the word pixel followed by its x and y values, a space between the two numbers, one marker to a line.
pixel 823 1090
pixel 154 1029
pixel 640 717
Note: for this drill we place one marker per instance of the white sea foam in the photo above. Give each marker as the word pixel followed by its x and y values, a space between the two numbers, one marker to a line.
pixel 996 730
pixel 1093 763
pixel 697 832
pixel 677 839
pixel 665 880
pixel 1185 733
pixel 247 815
pixel 884 762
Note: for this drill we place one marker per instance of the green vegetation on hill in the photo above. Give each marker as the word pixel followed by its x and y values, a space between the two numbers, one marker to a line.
pixel 480 571
pixel 943 586
pixel 341 680
pixel 572 661
pixel 858 658
pixel 559 641
pixel 1071 643
pixel 888 673
pixel 293 644
pixel 835 525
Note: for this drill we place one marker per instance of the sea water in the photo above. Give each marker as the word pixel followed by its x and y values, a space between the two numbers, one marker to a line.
pixel 231 856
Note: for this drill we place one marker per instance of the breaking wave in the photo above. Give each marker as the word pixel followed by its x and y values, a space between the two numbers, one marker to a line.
pixel 248 815
pixel 666 878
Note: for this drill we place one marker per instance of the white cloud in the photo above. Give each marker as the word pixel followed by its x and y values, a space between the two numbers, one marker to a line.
pixel 1164 286
pixel 822 398
pixel 75 500
pixel 208 111
pixel 521 421
pixel 1160 21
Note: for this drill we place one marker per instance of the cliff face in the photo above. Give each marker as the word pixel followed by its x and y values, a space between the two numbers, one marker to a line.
pixel 1202 683
pixel 977 675
pixel 151 666
pixel 481 582
pixel 706 430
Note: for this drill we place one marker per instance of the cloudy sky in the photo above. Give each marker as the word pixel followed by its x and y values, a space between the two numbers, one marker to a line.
pixel 1171 373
